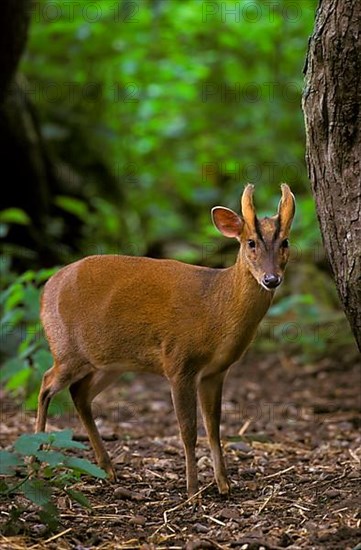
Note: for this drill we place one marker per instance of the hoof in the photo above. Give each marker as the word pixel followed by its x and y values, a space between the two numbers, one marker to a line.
pixel 108 468
pixel 224 488
pixel 112 476
pixel 193 491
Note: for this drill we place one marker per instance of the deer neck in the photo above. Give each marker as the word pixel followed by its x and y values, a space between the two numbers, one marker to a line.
pixel 246 300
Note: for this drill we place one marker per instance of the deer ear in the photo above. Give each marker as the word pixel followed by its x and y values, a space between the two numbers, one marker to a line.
pixel 227 222
pixel 286 208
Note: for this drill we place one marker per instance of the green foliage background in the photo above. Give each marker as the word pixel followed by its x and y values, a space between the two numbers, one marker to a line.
pixel 156 110
pixel 185 101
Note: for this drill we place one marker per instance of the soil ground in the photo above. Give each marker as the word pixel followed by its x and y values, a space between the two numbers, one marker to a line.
pixel 291 437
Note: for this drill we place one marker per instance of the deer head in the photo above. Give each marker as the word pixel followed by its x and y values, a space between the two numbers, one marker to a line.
pixel 264 245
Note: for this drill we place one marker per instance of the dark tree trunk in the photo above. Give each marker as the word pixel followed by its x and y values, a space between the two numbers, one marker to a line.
pixel 14 24
pixel 23 158
pixel 31 172
pixel 332 109
pixel 35 174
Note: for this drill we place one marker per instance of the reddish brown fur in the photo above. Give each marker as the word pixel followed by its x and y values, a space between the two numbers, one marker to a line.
pixel 108 314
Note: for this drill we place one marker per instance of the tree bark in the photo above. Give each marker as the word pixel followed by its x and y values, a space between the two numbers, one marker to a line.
pixel 32 178
pixel 15 18
pixel 332 110
pixel 24 159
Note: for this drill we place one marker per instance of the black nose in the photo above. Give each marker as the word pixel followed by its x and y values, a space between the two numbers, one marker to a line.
pixel 271 281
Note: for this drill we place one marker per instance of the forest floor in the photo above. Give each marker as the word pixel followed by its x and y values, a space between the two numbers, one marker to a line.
pixel 292 442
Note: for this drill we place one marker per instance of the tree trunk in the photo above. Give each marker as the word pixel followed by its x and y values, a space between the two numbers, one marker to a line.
pixel 15 18
pixel 332 110
pixel 32 178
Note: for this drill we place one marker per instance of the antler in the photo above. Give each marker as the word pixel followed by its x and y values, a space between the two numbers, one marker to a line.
pixel 247 208
pixel 286 208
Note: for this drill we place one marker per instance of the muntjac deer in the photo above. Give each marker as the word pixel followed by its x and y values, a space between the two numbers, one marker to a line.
pixel 107 314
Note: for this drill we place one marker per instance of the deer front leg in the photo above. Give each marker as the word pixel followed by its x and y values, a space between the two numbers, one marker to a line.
pixel 185 406
pixel 210 396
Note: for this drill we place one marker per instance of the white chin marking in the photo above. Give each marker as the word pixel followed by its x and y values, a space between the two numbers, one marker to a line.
pixel 266 288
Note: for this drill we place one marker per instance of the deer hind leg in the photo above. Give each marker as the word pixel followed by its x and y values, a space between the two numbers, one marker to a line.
pixel 210 396
pixel 54 380
pixel 83 392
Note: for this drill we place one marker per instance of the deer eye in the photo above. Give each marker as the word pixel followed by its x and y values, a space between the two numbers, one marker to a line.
pixel 251 243
pixel 285 243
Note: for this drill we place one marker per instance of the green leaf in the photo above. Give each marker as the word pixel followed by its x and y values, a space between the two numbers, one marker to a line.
pixel 74 206
pixel 38 491
pixel 45 274
pixel 60 404
pixel 14 215
pixel 3 486
pixel 31 302
pixel 85 467
pixel 79 497
pixel 31 402
pixel 63 440
pixel 43 359
pixel 27 346
pixel 53 458
pixel 19 379
pixel 47 471
pixel 28 444
pixel 27 276
pixel 15 296
pixel 8 462
pixel 11 368
pixel 10 322
pixel 49 515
